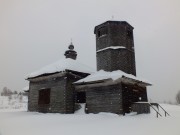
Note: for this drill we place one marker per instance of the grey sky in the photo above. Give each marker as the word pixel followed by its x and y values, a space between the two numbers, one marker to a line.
pixel 35 33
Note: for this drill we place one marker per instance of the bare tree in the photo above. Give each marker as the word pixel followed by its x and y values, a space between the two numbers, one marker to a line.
pixel 15 92
pixel 178 97
pixel 10 98
pixel 6 92
pixel 20 98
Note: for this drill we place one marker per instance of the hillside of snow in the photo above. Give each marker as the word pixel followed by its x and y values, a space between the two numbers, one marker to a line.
pixel 15 120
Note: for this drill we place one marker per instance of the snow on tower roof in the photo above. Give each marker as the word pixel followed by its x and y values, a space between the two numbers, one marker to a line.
pixel 114 75
pixel 62 65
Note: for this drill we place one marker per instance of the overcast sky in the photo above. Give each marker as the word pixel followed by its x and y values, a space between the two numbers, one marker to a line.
pixel 35 33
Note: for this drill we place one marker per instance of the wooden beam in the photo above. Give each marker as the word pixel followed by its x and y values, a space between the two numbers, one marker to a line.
pixel 41 78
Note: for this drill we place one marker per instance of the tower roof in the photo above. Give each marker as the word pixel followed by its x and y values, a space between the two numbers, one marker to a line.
pixel 111 22
pixel 71 53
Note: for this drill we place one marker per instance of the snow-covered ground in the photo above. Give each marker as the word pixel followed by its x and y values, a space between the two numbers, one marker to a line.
pixel 13 103
pixel 21 122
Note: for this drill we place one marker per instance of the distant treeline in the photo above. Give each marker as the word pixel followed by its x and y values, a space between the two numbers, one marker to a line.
pixel 7 92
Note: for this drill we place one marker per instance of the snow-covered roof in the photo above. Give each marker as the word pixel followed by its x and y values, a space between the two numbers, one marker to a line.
pixel 62 65
pixel 114 75
pixel 111 47
pixel 25 88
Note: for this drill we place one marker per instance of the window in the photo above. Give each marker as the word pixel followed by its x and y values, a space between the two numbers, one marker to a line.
pixel 129 33
pixel 44 97
pixel 102 31
pixel 81 97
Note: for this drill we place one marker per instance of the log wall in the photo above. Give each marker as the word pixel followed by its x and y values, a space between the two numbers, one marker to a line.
pixel 104 99
pixel 57 95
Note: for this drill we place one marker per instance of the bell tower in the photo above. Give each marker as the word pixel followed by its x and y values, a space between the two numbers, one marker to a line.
pixel 115 47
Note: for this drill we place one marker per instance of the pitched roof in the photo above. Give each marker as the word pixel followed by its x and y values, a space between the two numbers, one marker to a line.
pixel 62 65
pixel 26 88
pixel 114 75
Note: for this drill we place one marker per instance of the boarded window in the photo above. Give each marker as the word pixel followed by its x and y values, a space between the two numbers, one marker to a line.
pixel 44 97
pixel 102 31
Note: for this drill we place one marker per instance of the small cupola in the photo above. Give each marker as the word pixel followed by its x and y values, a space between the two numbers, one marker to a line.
pixel 71 53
